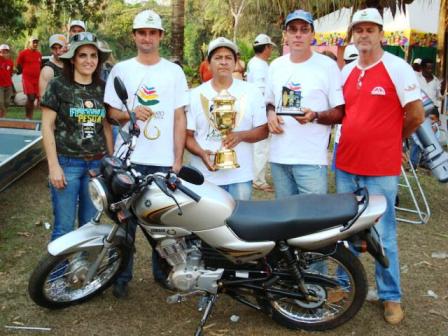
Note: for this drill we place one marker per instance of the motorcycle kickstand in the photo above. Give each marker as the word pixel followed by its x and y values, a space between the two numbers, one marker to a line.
pixel 207 311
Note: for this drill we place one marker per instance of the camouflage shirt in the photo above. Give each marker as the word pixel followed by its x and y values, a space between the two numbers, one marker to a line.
pixel 80 113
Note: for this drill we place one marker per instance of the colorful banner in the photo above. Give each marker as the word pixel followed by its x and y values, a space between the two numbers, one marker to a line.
pixel 403 38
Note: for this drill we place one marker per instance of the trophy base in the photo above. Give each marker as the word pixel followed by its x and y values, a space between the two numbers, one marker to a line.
pixel 225 159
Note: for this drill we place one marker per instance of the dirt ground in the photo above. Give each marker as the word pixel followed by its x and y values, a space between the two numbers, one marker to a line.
pixel 25 209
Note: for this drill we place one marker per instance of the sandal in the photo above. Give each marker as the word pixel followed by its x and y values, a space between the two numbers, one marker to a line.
pixel 263 187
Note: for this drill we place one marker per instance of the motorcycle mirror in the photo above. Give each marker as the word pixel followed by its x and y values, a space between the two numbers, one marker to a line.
pixel 191 175
pixel 120 89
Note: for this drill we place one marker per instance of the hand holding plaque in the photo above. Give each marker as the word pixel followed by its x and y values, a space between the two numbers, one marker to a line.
pixel 223 119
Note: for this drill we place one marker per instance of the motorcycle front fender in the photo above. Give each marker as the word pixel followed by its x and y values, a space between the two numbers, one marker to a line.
pixel 87 236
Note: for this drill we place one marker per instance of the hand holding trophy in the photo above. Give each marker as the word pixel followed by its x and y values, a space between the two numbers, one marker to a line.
pixel 223 119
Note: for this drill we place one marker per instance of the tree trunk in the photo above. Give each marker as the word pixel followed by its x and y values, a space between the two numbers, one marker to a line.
pixel 177 26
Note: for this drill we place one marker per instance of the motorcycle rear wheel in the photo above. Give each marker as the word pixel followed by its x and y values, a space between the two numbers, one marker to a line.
pixel 57 281
pixel 335 307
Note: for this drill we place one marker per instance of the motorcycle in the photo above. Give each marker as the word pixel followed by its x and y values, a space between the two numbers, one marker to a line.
pixel 286 258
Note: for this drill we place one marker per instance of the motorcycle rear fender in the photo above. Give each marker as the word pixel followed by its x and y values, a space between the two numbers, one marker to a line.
pixel 87 236
pixel 376 208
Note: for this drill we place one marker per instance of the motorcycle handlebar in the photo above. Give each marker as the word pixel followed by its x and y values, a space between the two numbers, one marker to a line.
pixel 188 192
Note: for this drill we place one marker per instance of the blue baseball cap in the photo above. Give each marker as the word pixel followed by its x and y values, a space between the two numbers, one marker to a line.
pixel 299 14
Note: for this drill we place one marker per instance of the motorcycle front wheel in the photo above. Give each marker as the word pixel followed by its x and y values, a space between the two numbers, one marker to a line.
pixel 334 305
pixel 59 281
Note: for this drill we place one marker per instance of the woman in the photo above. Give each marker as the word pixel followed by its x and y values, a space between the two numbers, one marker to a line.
pixel 76 134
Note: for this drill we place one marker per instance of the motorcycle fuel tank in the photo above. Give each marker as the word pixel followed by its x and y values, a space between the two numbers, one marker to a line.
pixel 153 207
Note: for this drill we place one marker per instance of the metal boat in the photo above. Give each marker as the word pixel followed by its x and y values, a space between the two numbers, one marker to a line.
pixel 21 149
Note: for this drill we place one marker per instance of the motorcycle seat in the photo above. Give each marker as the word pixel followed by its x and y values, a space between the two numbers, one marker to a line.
pixel 291 217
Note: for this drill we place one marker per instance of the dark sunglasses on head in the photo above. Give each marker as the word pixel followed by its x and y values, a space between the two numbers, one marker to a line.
pixel 84 36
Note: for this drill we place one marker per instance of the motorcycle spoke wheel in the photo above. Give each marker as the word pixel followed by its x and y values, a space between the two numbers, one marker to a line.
pixel 60 281
pixel 332 305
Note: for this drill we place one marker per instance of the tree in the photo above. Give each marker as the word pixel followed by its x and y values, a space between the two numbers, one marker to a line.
pixel 177 28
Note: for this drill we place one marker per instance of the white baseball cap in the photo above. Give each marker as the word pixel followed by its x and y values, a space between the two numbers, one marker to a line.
pixel 57 39
pixel 350 53
pixel 262 39
pixel 148 19
pixel 221 42
pixel 416 61
pixel 79 23
pixel 4 47
pixel 366 15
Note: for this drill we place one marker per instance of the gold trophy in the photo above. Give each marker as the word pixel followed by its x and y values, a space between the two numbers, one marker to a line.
pixel 223 119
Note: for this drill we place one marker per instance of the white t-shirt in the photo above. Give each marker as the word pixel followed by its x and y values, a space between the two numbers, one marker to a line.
pixel 315 84
pixel 432 89
pixel 257 72
pixel 251 111
pixel 163 88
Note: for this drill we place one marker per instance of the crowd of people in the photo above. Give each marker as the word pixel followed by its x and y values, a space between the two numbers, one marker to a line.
pixel 285 112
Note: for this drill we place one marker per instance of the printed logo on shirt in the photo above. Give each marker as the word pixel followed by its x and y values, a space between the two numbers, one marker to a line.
pixel 88 115
pixel 147 96
pixel 410 87
pixel 378 91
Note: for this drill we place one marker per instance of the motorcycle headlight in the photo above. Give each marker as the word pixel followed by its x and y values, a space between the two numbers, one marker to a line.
pixel 98 194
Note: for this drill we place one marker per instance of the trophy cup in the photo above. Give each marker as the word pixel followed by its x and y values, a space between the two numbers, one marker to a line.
pixel 223 119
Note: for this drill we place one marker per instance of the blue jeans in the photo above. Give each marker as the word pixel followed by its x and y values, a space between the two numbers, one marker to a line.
pixel 239 191
pixel 298 179
pixel 387 279
pixel 126 275
pixel 74 197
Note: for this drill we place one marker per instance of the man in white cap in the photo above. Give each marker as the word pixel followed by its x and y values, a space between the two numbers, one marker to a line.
pixel 382 107
pixel 6 72
pixel 29 63
pixel 417 66
pixel 299 82
pixel 350 53
pixel 257 72
pixel 203 139
pixel 54 66
pixel 157 91
pixel 75 27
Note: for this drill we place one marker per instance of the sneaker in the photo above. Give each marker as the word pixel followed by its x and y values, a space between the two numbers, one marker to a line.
pixel 393 314
pixel 120 290
pixel 262 186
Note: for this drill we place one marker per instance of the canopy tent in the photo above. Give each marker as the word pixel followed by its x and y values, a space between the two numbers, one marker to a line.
pixel 418 27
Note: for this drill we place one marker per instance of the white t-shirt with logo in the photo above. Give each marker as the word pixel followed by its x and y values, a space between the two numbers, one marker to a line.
pixel 163 88
pixel 251 111
pixel 257 72
pixel 315 84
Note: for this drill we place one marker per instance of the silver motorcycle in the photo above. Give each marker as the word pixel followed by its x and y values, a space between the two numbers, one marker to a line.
pixel 287 258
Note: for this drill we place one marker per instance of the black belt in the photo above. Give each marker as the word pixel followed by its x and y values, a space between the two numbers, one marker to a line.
pixel 93 157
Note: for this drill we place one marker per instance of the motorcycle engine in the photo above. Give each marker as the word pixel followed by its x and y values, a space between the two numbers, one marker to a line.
pixel 188 271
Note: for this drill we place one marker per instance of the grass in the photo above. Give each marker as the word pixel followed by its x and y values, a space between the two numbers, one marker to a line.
pixel 18 112
pixel 25 206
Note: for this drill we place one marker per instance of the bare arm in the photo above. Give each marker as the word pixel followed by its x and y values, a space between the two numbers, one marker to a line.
pixel 46 74
pixel 56 174
pixel 180 127
pixel 250 136
pixel 329 117
pixel 107 129
pixel 414 115
pixel 194 148
pixel 141 113
pixel 274 121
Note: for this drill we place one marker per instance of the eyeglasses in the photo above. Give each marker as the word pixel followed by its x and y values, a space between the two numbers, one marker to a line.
pixel 83 36
pixel 295 30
